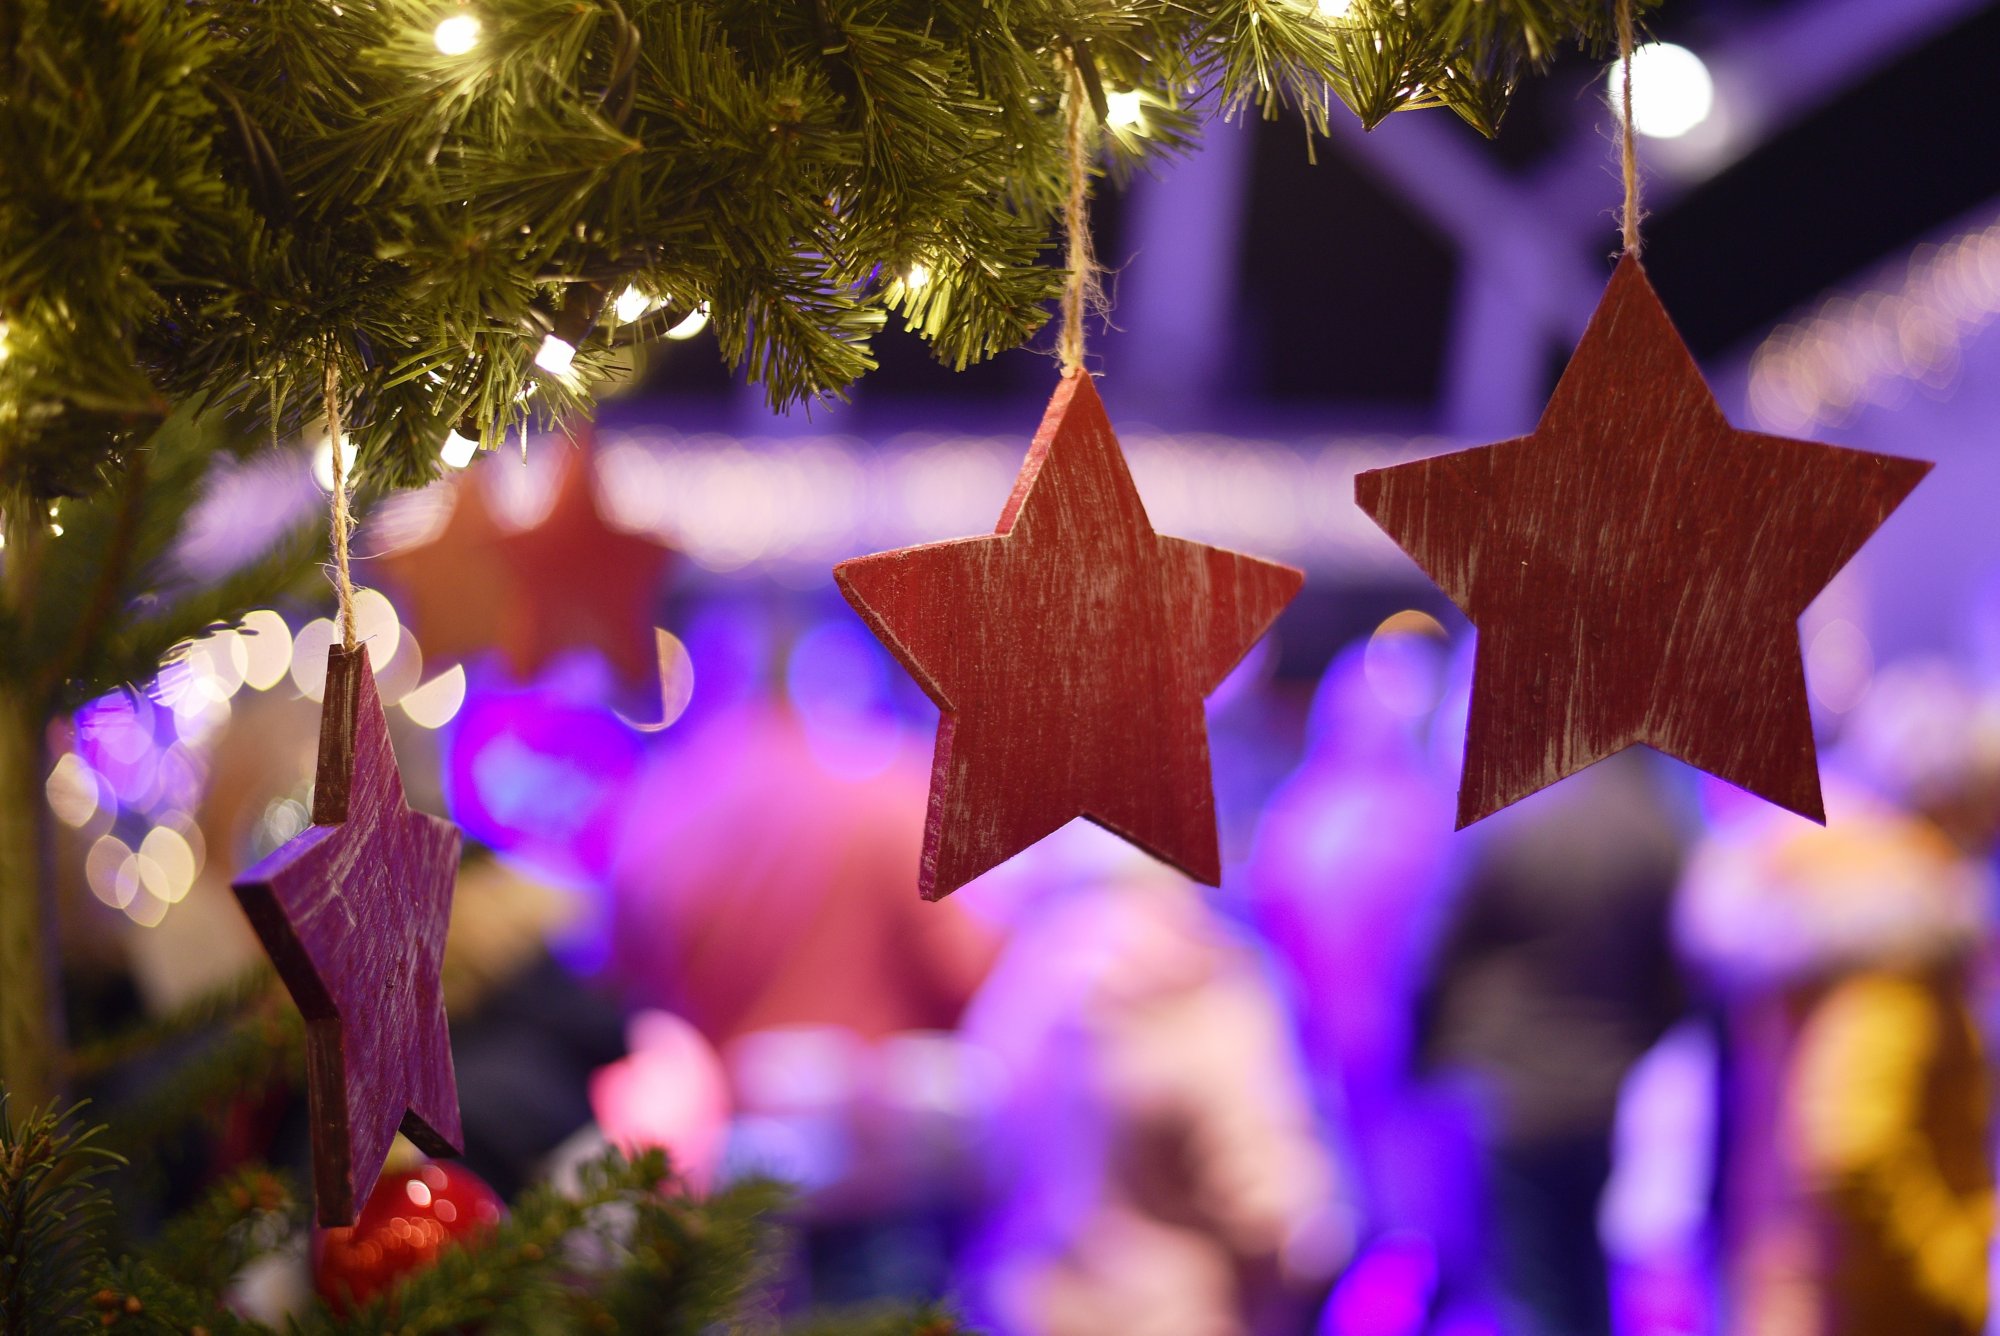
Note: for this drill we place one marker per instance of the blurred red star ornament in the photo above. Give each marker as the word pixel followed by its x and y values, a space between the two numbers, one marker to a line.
pixel 578 581
pixel 353 914
pixel 569 581
pixel 1070 653
pixel 453 583
pixel 1636 568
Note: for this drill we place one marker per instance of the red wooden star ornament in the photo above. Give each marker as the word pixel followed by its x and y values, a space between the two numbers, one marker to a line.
pixel 453 584
pixel 1070 653
pixel 579 581
pixel 1636 568
pixel 353 914
pixel 569 581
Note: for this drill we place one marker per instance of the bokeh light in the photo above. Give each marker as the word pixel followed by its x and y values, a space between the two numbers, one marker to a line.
pixel 267 649
pixel 322 465
pixel 1124 109
pixel 456 35
pixel 1672 90
pixel 691 324
pixel 435 703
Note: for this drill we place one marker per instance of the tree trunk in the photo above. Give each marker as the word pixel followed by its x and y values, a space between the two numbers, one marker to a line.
pixel 29 1027
pixel 30 1020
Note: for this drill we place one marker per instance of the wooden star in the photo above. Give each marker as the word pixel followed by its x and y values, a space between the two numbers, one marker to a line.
pixel 577 581
pixel 1636 568
pixel 453 585
pixel 353 914
pixel 1070 653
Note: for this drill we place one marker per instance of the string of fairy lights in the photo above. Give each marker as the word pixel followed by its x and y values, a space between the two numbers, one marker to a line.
pixel 1877 347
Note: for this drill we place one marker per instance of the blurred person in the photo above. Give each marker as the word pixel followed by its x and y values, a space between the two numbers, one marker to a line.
pixel 1348 883
pixel 1554 977
pixel 1158 1160
pixel 1926 738
pixel 1856 1180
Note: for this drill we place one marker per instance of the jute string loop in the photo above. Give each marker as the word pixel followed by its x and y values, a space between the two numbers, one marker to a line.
pixel 343 519
pixel 1628 148
pixel 1082 291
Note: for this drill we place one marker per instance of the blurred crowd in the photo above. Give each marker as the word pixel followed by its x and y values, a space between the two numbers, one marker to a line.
pixel 1638 1055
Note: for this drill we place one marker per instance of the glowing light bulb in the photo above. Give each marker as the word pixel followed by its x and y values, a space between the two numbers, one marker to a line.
pixel 1335 9
pixel 457 35
pixel 1122 109
pixel 1672 90
pixel 556 356
pixel 917 275
pixel 323 462
pixel 458 450
pixel 3 340
pixel 694 324
pixel 631 305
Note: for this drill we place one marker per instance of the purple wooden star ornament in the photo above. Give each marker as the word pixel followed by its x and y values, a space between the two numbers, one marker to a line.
pixel 353 914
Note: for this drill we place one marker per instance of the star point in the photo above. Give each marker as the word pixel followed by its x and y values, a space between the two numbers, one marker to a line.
pixel 1636 567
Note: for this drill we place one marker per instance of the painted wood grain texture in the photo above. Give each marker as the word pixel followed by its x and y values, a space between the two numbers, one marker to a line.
pixel 1070 653
pixel 353 914
pixel 571 581
pixel 1636 568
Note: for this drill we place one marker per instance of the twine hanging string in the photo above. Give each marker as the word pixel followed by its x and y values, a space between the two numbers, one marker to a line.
pixel 343 519
pixel 1082 292
pixel 1628 148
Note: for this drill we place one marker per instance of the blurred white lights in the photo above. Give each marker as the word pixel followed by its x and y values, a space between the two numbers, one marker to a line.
pixel 309 657
pixel 458 450
pixel 1672 90
pixel 1123 109
pixel 694 323
pixel 556 356
pixel 676 681
pixel 112 871
pixel 73 791
pixel 457 35
pixel 1873 349
pixel 323 462
pixel 167 864
pixel 377 626
pixel 267 649
pixel 632 304
pixel 792 504
pixel 434 704
pixel 917 275
pixel 1335 9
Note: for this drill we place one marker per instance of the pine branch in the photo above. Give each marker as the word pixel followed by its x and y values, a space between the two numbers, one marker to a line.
pixel 205 196
pixel 52 1206
pixel 203 1249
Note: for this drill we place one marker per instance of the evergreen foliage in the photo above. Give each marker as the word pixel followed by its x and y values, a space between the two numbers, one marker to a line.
pixel 53 1204
pixel 628 1252
pixel 206 200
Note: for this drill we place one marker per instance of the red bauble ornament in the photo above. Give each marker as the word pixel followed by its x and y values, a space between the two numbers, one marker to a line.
pixel 1070 652
pixel 410 1218
pixel 1636 568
